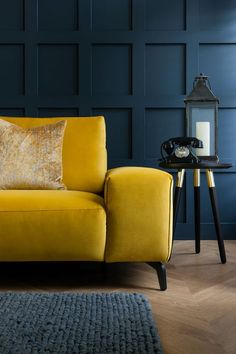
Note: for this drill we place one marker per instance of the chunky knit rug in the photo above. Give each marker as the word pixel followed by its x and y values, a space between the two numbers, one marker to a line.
pixel 85 323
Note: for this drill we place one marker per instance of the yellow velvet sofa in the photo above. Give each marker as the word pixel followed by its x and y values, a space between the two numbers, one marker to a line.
pixel 120 215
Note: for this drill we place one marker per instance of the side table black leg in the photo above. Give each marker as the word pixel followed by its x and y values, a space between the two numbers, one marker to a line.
pixel 177 195
pixel 216 216
pixel 197 209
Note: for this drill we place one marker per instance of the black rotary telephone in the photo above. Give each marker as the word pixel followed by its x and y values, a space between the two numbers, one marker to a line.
pixel 180 150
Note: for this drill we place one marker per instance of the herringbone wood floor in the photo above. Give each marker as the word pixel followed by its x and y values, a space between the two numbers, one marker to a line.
pixel 196 315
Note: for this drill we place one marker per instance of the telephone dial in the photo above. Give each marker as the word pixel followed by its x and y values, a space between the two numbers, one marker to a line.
pixel 181 150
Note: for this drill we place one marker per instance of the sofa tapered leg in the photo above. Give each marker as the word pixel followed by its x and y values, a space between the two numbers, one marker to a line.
pixel 161 273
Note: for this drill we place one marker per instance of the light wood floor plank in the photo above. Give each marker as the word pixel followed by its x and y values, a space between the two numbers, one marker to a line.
pixel 197 313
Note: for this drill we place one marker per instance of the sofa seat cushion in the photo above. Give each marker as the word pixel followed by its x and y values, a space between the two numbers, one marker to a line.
pixel 51 225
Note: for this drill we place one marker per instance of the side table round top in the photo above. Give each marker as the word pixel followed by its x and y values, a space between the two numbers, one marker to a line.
pixel 193 166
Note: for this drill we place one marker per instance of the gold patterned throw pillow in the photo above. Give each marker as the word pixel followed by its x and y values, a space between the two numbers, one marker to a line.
pixel 31 158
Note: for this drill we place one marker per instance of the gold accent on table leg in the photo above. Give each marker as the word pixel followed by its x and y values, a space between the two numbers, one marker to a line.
pixel 180 178
pixel 196 177
pixel 210 178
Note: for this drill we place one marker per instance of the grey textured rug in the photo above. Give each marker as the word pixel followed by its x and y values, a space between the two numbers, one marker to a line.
pixel 96 323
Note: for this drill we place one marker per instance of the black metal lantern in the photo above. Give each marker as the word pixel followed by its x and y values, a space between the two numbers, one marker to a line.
pixel 202 116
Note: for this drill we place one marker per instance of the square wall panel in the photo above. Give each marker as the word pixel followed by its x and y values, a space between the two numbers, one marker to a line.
pixel 217 62
pixel 111 69
pixel 112 15
pixel 165 15
pixel 161 125
pixel 57 69
pixel 12 69
pixel 12 112
pixel 57 15
pixel 227 133
pixel 118 131
pixel 217 15
pixel 12 15
pixel 165 69
pixel 58 112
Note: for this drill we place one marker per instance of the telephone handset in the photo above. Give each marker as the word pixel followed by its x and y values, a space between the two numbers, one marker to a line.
pixel 181 149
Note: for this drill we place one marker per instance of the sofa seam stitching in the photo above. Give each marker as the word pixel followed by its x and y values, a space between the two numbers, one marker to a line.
pixel 170 206
pixel 107 180
pixel 38 210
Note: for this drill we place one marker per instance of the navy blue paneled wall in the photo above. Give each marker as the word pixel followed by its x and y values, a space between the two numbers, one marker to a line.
pixel 133 61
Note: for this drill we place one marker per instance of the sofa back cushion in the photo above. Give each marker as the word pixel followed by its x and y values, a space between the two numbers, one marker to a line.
pixel 84 150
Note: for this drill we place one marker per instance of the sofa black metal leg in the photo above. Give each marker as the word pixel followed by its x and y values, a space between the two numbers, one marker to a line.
pixel 161 273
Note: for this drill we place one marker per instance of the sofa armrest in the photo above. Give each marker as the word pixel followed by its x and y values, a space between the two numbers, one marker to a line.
pixel 139 215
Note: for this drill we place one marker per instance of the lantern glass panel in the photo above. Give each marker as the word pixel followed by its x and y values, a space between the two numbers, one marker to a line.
pixel 202 125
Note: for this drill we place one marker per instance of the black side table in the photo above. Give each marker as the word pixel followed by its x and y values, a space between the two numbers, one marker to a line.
pixel 208 166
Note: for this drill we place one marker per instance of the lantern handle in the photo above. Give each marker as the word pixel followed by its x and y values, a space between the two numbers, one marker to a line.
pixel 203 78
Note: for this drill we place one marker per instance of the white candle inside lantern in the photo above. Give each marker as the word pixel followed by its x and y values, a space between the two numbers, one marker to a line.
pixel 203 133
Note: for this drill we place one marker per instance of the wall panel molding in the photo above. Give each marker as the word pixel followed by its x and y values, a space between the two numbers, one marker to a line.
pixel 132 61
